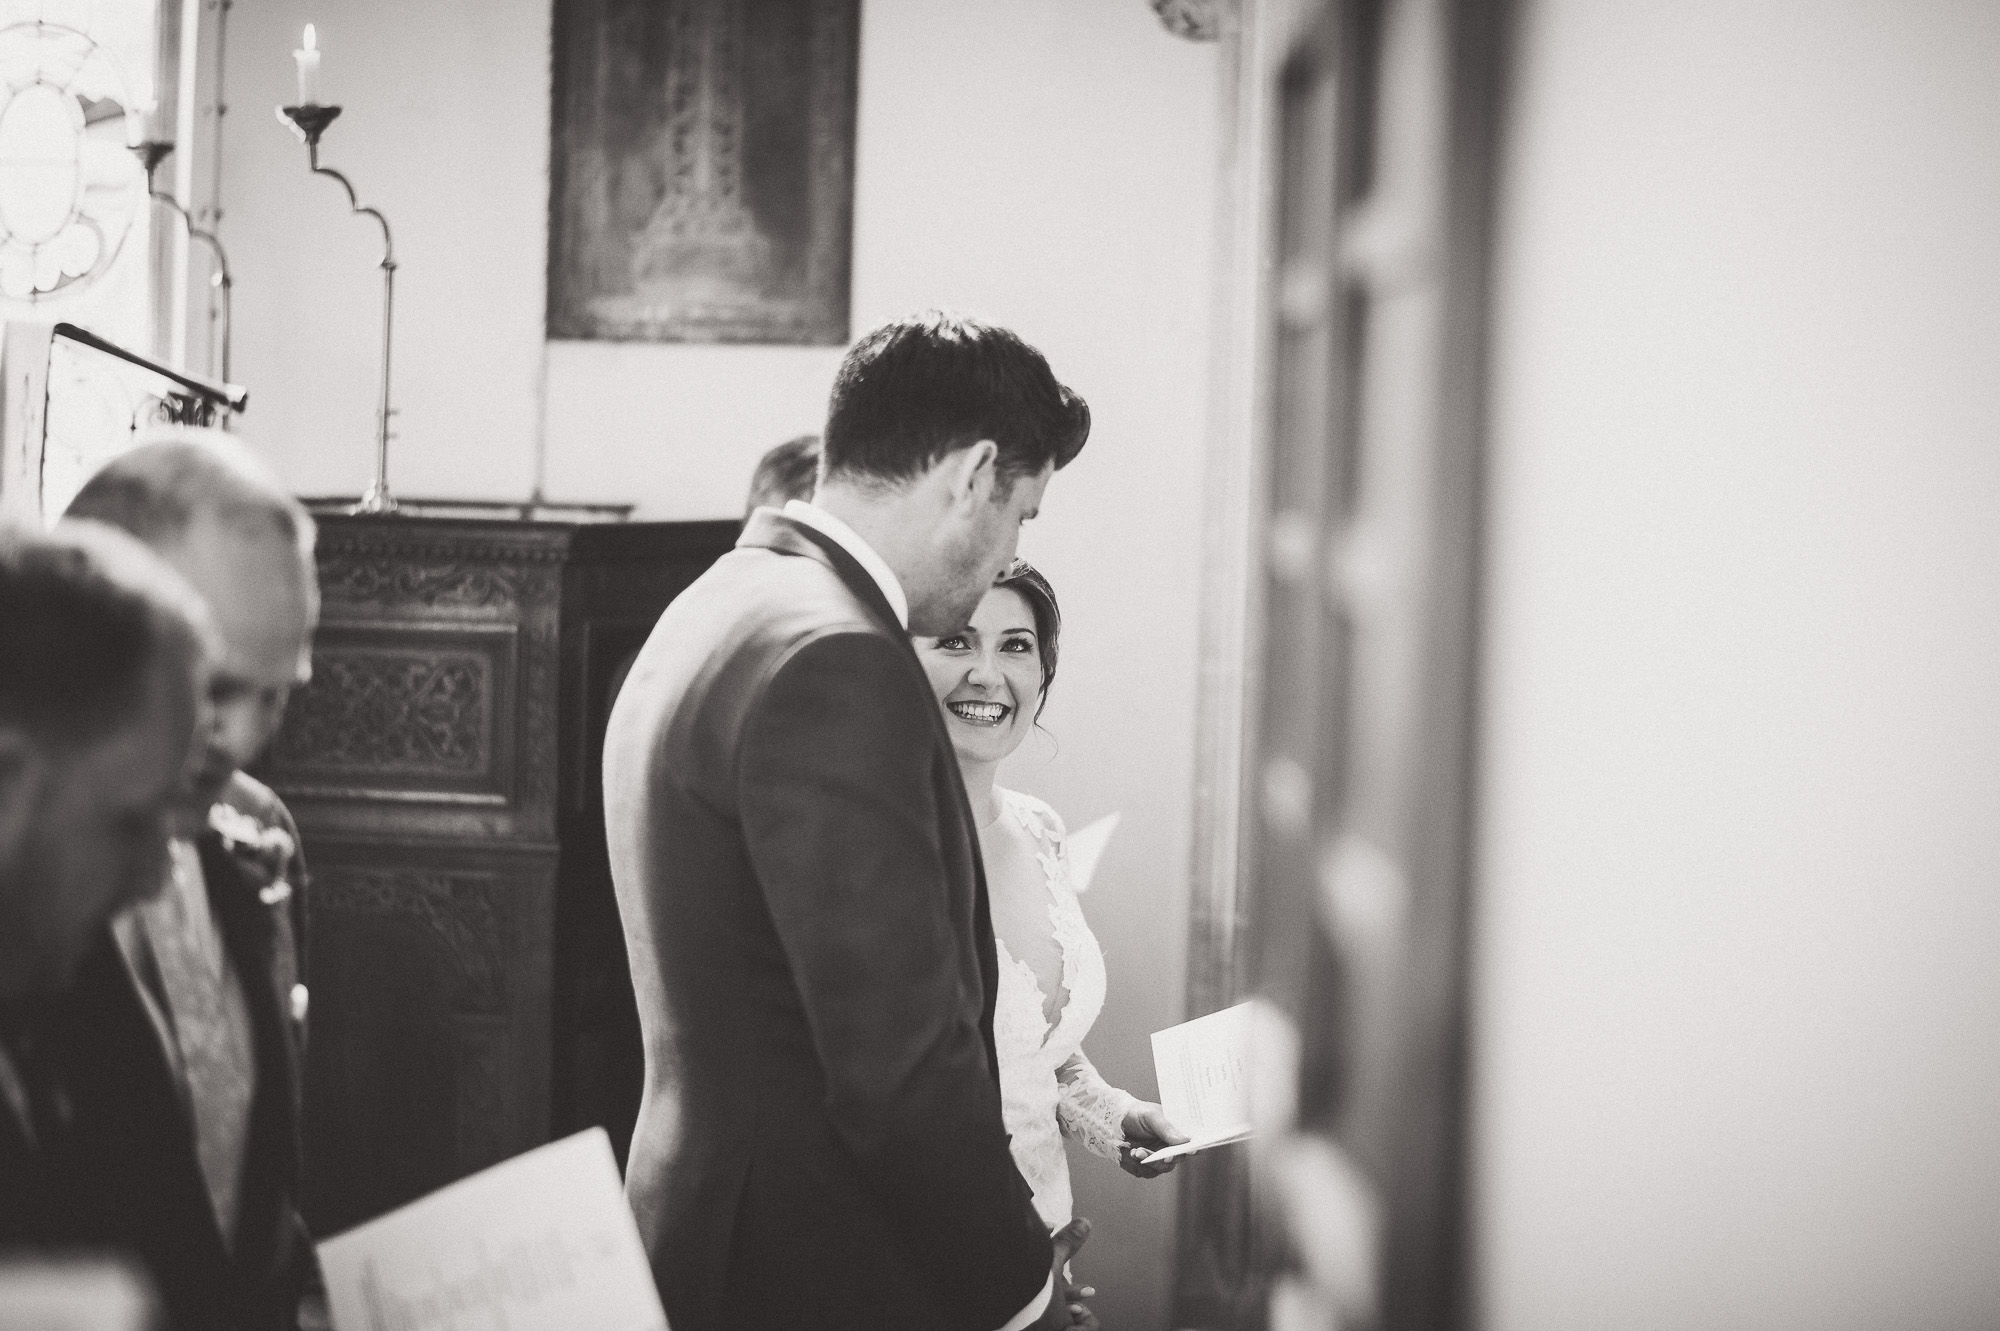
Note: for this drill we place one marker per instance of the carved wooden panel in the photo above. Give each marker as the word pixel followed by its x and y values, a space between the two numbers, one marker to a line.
pixel 432 708
pixel 429 1058
pixel 454 568
pixel 398 712
pixel 413 714
pixel 370 577
pixel 461 911
pixel 454 694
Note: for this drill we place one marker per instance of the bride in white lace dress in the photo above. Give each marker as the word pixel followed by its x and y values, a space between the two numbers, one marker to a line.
pixel 991 681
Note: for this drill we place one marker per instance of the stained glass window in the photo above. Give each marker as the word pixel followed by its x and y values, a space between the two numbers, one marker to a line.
pixel 75 236
pixel 72 217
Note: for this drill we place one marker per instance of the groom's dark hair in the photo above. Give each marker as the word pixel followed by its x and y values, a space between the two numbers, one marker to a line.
pixel 930 384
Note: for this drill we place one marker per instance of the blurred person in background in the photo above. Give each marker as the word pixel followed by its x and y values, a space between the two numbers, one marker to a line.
pixel 181 1040
pixel 104 659
pixel 787 472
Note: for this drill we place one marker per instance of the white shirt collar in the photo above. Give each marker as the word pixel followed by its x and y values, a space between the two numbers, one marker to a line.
pixel 864 554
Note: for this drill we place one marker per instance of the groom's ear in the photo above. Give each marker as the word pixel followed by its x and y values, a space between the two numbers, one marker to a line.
pixel 970 474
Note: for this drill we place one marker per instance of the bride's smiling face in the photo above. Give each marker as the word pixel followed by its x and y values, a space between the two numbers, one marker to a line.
pixel 988 678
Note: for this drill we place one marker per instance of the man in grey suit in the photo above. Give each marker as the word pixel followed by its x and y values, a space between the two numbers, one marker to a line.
pixel 181 1038
pixel 820 1142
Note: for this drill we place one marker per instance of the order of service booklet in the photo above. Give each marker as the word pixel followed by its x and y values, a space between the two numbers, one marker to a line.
pixel 1204 1071
pixel 542 1242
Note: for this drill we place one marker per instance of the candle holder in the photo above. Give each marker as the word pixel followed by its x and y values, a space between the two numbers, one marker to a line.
pixel 151 152
pixel 309 122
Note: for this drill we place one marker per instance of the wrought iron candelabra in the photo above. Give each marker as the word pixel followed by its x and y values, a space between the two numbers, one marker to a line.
pixel 151 153
pixel 309 122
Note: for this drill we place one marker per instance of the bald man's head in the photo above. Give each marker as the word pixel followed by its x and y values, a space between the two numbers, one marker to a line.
pixel 214 513
pixel 160 489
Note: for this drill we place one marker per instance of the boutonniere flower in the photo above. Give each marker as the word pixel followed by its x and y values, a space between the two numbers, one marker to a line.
pixel 263 850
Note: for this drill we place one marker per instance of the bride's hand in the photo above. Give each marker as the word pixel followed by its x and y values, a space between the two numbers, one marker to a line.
pixel 1146 1131
pixel 1081 1318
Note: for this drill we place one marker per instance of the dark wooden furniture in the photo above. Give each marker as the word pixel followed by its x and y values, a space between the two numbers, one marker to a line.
pixel 469 992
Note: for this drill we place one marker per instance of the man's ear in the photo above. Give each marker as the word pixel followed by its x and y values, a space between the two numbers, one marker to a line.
pixel 971 473
pixel 24 770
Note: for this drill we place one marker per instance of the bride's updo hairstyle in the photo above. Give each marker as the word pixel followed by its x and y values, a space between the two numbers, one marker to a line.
pixel 1026 579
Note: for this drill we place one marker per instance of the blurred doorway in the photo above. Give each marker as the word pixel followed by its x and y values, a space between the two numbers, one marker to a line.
pixel 1363 176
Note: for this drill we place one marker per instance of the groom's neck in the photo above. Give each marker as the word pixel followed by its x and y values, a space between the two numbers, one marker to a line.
pixel 895 521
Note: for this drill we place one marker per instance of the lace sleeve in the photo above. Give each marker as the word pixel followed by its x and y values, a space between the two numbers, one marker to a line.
pixel 1091 1109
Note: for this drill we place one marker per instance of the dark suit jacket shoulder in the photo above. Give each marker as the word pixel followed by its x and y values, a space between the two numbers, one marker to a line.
pixel 821 1142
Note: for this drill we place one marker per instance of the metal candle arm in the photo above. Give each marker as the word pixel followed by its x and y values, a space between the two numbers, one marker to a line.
pixel 223 281
pixel 309 122
pixel 150 154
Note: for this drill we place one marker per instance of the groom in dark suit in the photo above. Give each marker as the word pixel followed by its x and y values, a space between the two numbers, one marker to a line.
pixel 820 1143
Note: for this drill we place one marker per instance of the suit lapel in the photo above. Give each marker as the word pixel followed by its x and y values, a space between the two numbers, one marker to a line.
pixel 769 529
pixel 31 1131
pixel 135 957
pixel 982 907
pixel 134 1099
pixel 17 1118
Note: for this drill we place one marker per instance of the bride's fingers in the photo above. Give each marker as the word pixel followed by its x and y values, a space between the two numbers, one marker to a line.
pixel 1162 1129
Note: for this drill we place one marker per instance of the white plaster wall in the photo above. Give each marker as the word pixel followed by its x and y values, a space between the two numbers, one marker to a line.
pixel 445 129
pixel 1048 164
pixel 1737 1004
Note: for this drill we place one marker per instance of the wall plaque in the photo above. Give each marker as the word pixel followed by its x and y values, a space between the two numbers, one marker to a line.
pixel 702 170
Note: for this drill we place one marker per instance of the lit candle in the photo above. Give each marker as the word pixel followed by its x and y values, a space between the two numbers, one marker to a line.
pixel 308 58
pixel 139 123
